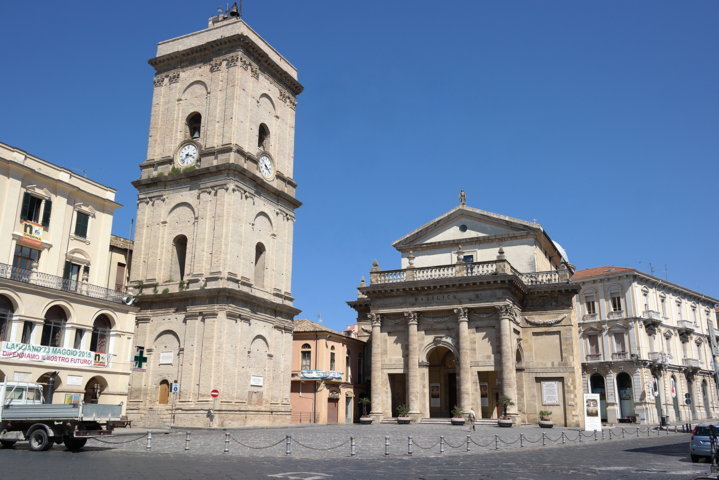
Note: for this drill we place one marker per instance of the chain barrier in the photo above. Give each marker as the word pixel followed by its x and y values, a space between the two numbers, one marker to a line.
pixel 470 439
pixel 421 447
pixel 318 449
pixel 509 443
pixel 251 447
pixel 526 439
pixel 118 443
pixel 459 445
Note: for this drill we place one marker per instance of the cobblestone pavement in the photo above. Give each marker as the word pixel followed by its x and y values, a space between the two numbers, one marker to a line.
pixel 322 441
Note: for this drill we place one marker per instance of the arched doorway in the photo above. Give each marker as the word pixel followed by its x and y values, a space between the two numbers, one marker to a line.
pixel 442 382
pixel 626 395
pixel 707 400
pixel 163 393
pixel 656 391
pixel 597 386
pixel 675 398
pixel 93 389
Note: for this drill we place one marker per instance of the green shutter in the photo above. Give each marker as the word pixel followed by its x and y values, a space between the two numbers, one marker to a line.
pixel 81 225
pixel 46 214
pixel 66 272
pixel 25 206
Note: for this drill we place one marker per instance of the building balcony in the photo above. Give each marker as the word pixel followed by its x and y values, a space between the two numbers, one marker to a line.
pixel 590 317
pixel 475 269
pixel 619 314
pixel 657 357
pixel 594 357
pixel 691 363
pixel 651 315
pixel 685 326
pixel 620 356
pixel 33 277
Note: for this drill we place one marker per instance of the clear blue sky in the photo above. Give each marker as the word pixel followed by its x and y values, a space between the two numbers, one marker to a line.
pixel 598 119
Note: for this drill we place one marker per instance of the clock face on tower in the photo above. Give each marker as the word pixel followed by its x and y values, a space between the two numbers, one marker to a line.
pixel 187 155
pixel 267 168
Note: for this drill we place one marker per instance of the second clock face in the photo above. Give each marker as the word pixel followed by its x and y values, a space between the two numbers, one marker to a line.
pixel 187 155
pixel 267 169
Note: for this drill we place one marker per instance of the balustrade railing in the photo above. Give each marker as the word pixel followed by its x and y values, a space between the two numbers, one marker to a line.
pixel 593 357
pixel 475 269
pixel 620 355
pixel 691 362
pixel 651 314
pixel 59 283
pixel 685 324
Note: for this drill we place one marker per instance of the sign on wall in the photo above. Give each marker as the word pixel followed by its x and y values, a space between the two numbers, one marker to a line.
pixel 74 380
pixel 592 417
pixel 166 358
pixel 256 381
pixel 434 400
pixel 45 354
pixel 484 394
pixel 550 393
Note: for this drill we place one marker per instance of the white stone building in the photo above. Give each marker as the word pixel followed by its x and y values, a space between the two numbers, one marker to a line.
pixel 648 346
pixel 62 322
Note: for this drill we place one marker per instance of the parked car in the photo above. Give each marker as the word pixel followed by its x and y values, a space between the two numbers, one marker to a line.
pixel 700 444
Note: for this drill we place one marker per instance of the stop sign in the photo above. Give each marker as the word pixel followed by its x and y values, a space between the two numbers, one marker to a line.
pixel 215 393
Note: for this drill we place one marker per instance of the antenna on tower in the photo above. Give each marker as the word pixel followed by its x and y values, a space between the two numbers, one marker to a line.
pixel 651 267
pixel 666 272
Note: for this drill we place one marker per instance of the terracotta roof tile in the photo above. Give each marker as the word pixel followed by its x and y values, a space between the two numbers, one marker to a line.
pixel 599 272
pixel 304 325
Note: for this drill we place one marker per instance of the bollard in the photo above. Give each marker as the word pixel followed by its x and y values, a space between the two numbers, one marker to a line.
pixel 409 445
pixel 149 441
pixel 288 445
pixel 468 439
pixel 187 441
pixel 610 434
pixel 602 434
pixel 648 432
pixel 386 445
pixel 595 436
pixel 622 432
pixel 580 436
pixel 521 440
pixel 637 432
pixel 441 444
pixel 227 443
pixel 544 439
pixel 496 441
pixel 353 451
pixel 562 438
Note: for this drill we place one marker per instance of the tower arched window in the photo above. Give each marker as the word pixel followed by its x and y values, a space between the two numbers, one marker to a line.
pixel 306 357
pixel 194 125
pixel 333 364
pixel 55 320
pixel 100 334
pixel 179 254
pixel 260 260
pixel 263 137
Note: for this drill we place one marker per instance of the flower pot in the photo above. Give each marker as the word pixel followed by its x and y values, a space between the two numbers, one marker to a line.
pixel 457 420
pixel 546 424
pixel 505 422
pixel 403 420
pixel 366 420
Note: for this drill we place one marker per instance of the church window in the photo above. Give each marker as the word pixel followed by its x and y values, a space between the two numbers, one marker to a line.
pixel 36 210
pixel 194 125
pixel 260 259
pixel 81 222
pixel 263 137
pixel 468 258
pixel 463 228
pixel 55 320
pixel 306 357
pixel 179 253
pixel 332 359
pixel 100 334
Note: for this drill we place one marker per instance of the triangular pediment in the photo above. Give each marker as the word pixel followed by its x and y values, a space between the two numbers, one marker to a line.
pixel 466 224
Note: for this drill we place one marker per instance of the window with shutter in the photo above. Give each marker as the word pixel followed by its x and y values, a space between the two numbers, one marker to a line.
pixel 81 223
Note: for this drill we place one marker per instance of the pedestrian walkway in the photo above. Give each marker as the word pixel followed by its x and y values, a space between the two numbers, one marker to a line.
pixel 363 441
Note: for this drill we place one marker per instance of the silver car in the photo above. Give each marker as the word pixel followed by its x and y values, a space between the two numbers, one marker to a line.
pixel 700 444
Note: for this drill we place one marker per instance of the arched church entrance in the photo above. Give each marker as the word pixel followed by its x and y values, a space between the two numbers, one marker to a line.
pixel 626 395
pixel 442 382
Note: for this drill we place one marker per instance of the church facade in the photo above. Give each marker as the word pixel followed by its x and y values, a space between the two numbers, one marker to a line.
pixel 215 216
pixel 480 311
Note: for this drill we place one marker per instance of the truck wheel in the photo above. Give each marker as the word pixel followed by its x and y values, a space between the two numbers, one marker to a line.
pixel 39 440
pixel 75 444
pixel 7 443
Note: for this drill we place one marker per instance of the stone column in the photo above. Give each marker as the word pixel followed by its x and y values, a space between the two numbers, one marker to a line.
pixel 412 364
pixel 465 380
pixel 507 313
pixel 376 374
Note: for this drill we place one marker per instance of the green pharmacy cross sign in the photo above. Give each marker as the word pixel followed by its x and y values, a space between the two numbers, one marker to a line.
pixel 140 359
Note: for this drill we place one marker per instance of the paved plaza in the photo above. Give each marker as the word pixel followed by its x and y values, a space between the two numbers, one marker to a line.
pixel 370 441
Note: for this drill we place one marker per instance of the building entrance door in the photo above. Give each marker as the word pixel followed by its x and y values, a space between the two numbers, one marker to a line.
pixel 597 385
pixel 398 390
pixel 705 396
pixel 442 382
pixel 626 395
pixel 332 410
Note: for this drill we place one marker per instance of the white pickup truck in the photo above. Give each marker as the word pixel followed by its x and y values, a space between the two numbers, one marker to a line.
pixel 24 416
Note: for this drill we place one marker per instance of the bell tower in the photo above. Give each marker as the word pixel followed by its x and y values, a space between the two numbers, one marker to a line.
pixel 213 250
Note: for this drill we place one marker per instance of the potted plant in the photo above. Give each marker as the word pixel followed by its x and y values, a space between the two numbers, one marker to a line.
pixel 504 420
pixel 403 414
pixel 545 420
pixel 365 419
pixel 457 416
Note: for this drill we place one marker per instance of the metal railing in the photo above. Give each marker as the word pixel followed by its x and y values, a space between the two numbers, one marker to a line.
pixel 59 283
pixel 620 355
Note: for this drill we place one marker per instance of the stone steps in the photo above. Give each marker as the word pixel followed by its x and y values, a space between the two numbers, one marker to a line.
pixel 443 421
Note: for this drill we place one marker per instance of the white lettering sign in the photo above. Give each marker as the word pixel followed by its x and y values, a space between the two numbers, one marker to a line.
pixel 46 354
pixel 74 380
pixel 166 358
pixel 550 393
pixel 256 381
